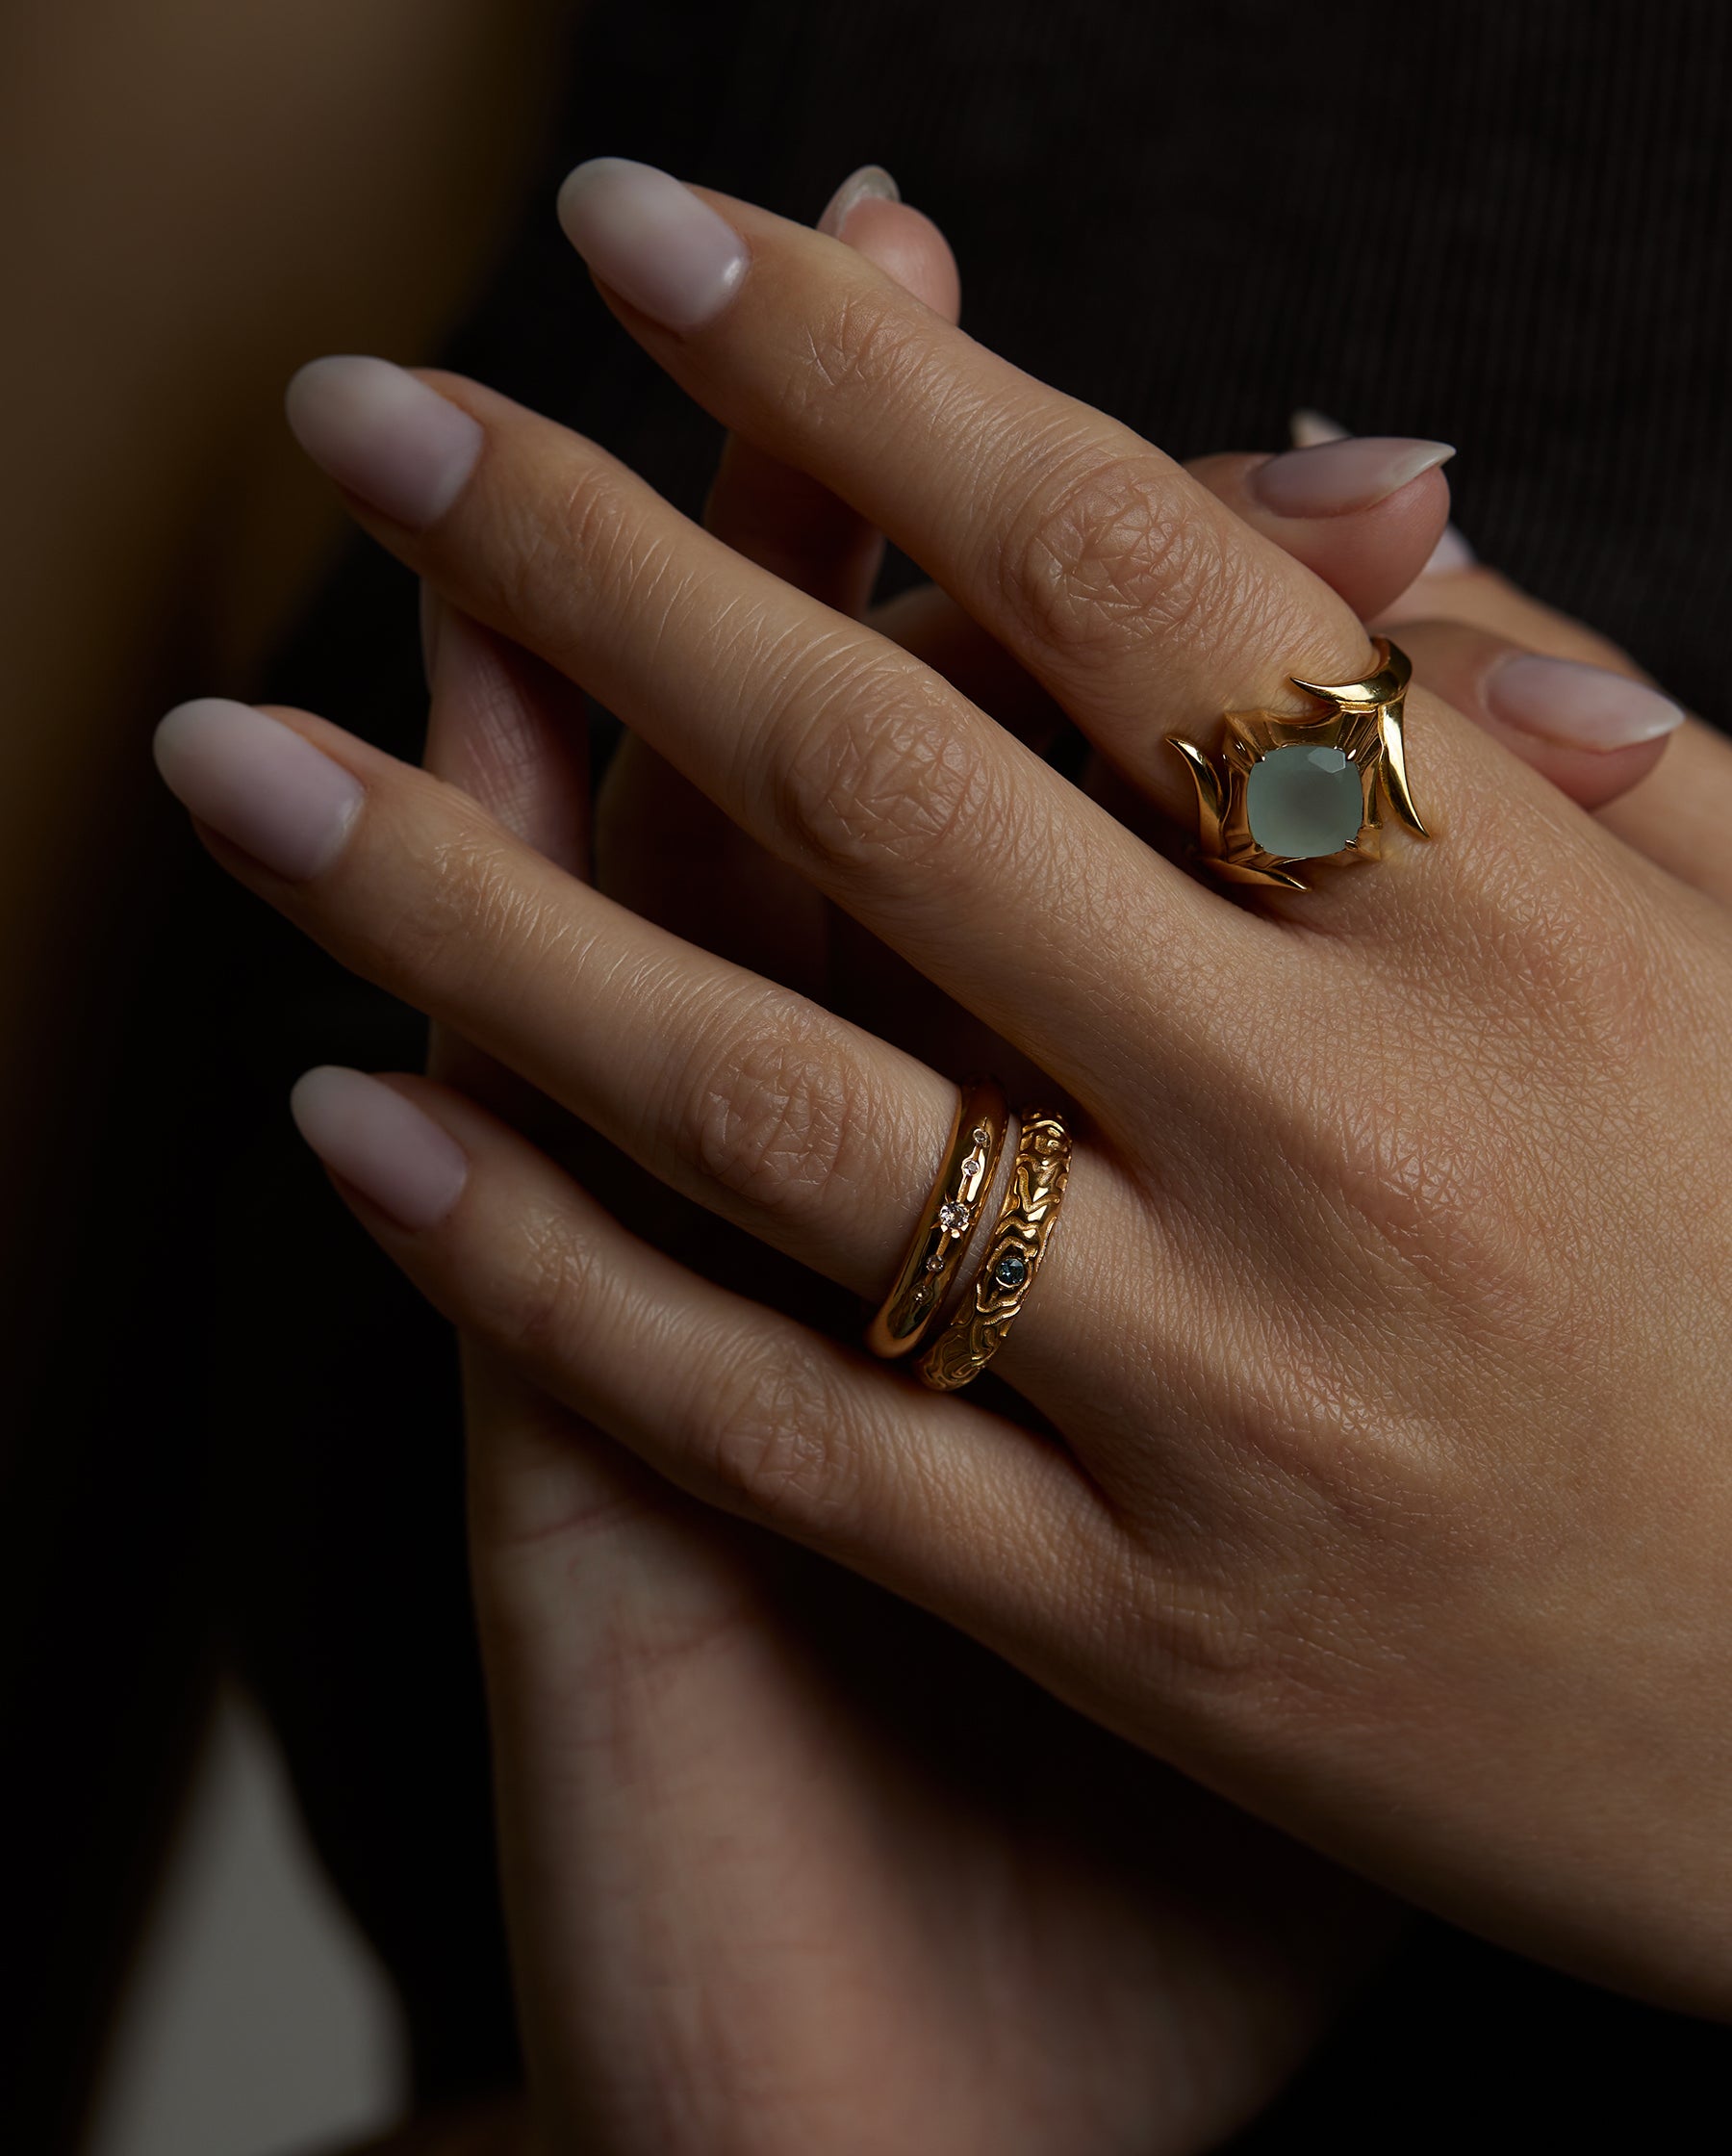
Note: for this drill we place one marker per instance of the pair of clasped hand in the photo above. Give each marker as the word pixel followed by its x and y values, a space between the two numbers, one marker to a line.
pixel 880 1769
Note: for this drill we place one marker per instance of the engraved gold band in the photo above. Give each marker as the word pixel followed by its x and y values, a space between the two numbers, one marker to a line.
pixel 1019 1237
pixel 977 1138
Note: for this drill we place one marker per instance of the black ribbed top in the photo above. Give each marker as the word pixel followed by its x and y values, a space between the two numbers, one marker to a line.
pixel 1501 222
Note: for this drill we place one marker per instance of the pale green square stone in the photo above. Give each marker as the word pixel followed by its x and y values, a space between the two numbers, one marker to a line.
pixel 1304 803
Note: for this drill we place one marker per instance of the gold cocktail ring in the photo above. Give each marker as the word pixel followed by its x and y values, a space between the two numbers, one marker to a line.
pixel 946 1222
pixel 1019 1239
pixel 1290 789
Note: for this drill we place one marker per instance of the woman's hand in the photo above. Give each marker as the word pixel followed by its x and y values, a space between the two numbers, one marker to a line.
pixel 923 1906
pixel 1391 1385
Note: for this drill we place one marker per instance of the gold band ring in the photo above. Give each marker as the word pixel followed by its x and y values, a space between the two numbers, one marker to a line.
pixel 1289 789
pixel 1019 1237
pixel 977 1137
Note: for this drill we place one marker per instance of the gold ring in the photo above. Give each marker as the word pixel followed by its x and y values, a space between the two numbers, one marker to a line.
pixel 946 1223
pixel 1292 789
pixel 1019 1237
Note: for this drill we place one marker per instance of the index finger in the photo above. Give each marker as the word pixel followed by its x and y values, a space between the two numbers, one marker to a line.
pixel 1135 596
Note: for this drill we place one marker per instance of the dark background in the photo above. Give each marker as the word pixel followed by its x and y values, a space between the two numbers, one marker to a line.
pixel 1504 227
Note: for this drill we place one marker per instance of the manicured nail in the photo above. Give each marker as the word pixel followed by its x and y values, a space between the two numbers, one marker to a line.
pixel 258 782
pixel 384 435
pixel 1333 477
pixel 1575 705
pixel 372 1136
pixel 871 183
pixel 649 237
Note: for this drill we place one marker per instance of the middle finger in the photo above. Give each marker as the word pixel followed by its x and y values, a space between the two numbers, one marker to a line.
pixel 946 838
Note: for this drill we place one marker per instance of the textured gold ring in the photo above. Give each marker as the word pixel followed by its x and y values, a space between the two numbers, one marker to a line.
pixel 1019 1239
pixel 1290 791
pixel 948 1219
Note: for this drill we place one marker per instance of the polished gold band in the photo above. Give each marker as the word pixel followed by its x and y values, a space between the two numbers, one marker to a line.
pixel 1019 1237
pixel 1341 768
pixel 913 1303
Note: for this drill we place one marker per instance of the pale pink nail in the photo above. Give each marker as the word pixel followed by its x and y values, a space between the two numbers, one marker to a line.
pixel 1577 707
pixel 376 1138
pixel 259 783
pixel 650 238
pixel 384 435
pixel 1332 478
pixel 871 183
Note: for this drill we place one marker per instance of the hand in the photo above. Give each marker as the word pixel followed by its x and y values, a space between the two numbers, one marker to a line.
pixel 1324 1532
pixel 709 1757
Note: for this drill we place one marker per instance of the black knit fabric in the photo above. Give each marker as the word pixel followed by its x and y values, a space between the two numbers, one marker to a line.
pixel 1503 223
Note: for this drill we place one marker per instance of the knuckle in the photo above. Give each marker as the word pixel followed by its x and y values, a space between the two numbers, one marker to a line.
pixel 452 880
pixel 859 346
pixel 779 1112
pixel 453 917
pixel 772 1442
pixel 592 526
pixel 528 1305
pixel 1117 551
pixel 883 777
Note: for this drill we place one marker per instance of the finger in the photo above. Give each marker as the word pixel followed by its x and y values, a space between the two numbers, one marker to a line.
pixel 1674 808
pixel 511 733
pixel 662 847
pixel 1679 814
pixel 802 1129
pixel 1120 581
pixel 896 797
pixel 1592 732
pixel 1363 515
pixel 777 514
pixel 735 1403
pixel 1117 580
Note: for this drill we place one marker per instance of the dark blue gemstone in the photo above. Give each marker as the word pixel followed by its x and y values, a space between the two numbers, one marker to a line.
pixel 1011 1270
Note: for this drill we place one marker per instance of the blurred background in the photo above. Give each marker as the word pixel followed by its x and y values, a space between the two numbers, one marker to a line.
pixel 251 1907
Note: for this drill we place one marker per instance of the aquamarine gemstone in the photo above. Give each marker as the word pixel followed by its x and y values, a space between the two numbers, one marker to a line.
pixel 1304 803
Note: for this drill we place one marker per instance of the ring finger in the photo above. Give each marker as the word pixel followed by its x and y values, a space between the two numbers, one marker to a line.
pixel 803 1129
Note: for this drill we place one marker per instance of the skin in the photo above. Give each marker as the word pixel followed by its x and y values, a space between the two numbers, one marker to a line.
pixel 1066 1563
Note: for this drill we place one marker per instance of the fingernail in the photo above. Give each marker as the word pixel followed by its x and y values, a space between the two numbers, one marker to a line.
pixel 259 783
pixel 647 235
pixel 376 1138
pixel 1333 477
pixel 384 435
pixel 870 183
pixel 1575 706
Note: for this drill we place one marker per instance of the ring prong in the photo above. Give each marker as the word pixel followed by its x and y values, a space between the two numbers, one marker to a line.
pixel 1212 804
pixel 1394 769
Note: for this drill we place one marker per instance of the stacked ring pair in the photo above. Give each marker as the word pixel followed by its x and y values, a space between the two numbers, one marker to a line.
pixel 911 1312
